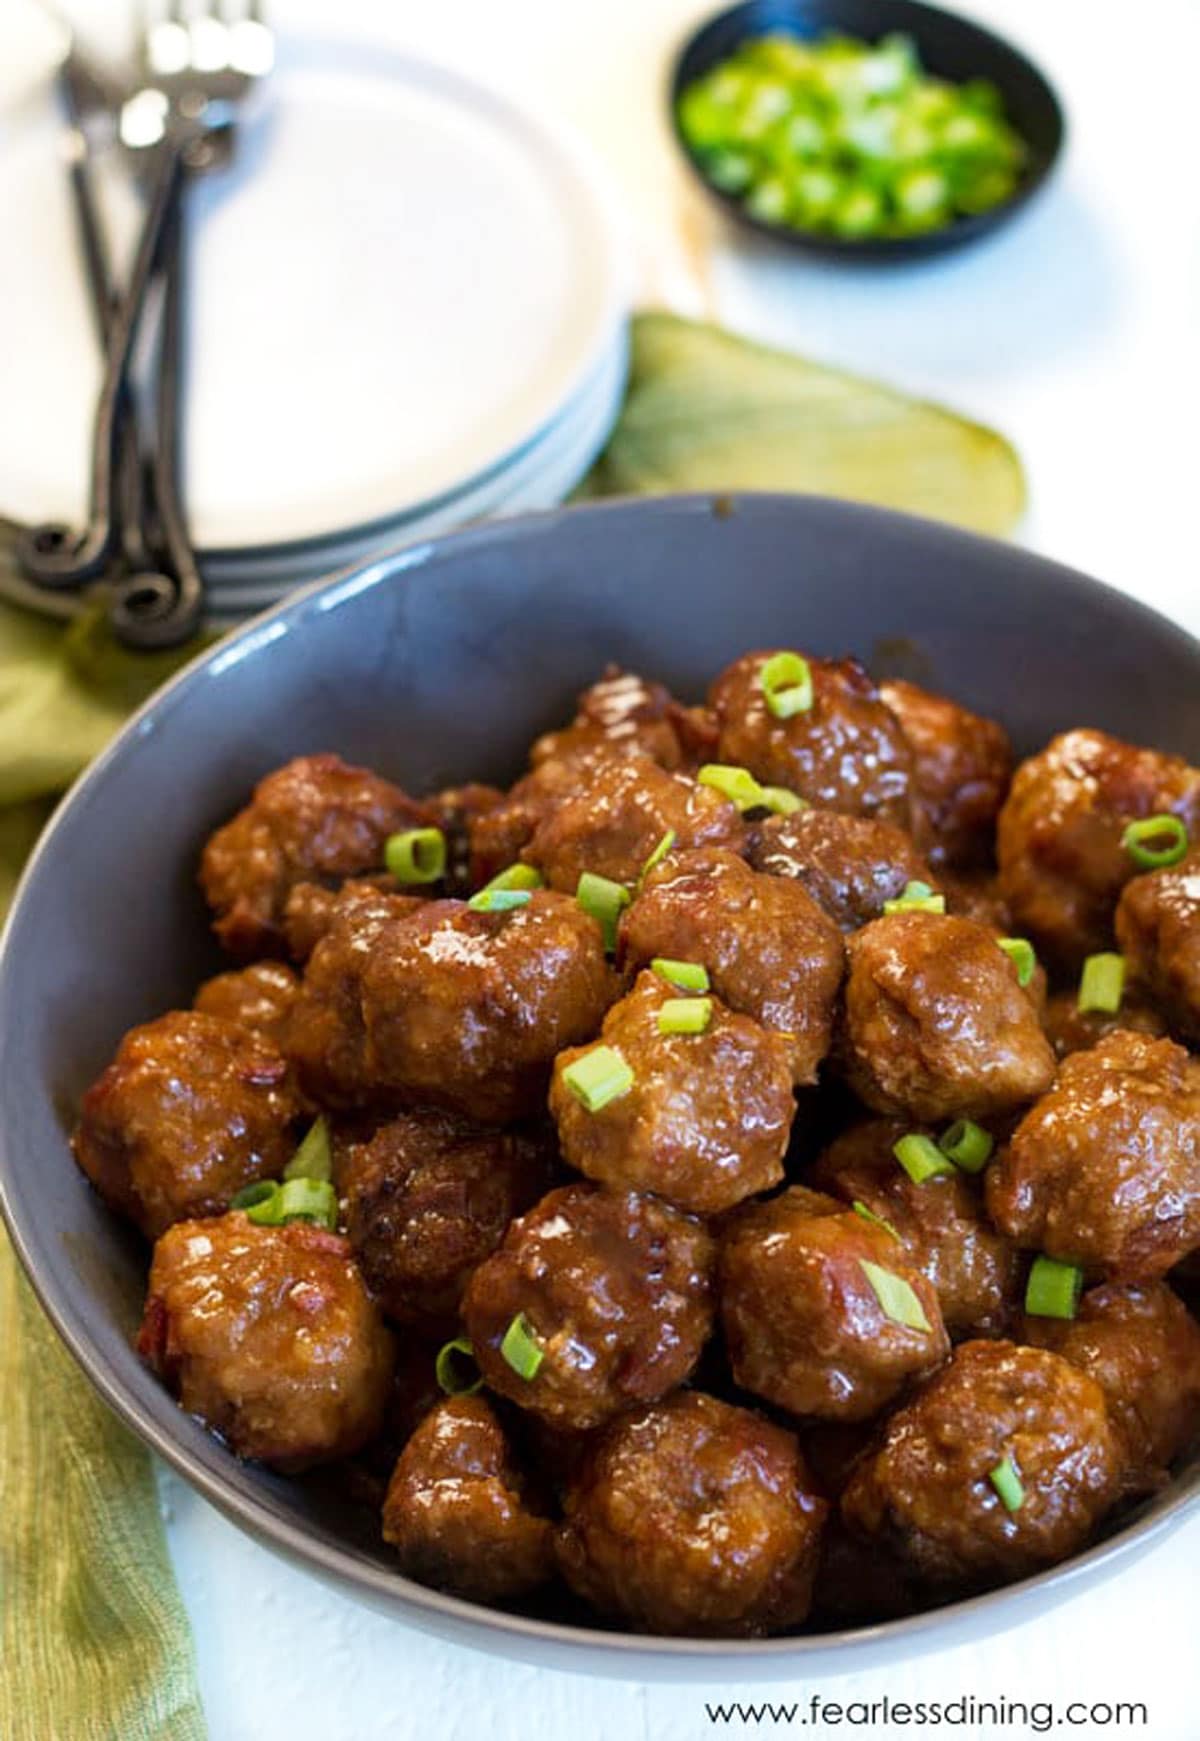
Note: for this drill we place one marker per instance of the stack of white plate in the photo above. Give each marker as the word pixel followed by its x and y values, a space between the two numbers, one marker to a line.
pixel 408 311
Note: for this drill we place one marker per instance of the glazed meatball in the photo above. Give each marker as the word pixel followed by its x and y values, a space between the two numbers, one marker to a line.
pixel 1142 1346
pixel 850 865
pixel 694 1517
pixel 927 1495
pixel 466 1010
pixel 704 1122
pixel 1062 865
pixel 1070 1029
pixel 962 765
pixel 326 1038
pixel 804 1324
pixel 268 1334
pixel 459 1511
pixel 316 820
pixel 311 908
pixel 626 715
pixel 615 820
pixel 770 951
pixel 428 1196
pixel 258 997
pixel 936 1023
pixel 1158 929
pixel 191 1109
pixel 946 1234
pixel 614 1290
pixel 1105 1170
pixel 846 752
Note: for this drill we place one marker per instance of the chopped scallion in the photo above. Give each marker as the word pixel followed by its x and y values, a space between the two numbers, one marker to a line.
pixel 687 975
pixel 515 876
pixel 967 1144
pixel 1053 1289
pixel 896 1298
pixel 491 900
pixel 416 856
pixel 736 784
pixel 455 1368
pixel 875 1220
pixel 605 901
pixel 684 1015
pixel 656 857
pixel 1167 830
pixel 1020 952
pixel 600 1076
pixel 780 802
pixel 1102 983
pixel 921 1158
pixel 269 1204
pixel 787 685
pixel 1007 1482
pixel 314 1158
pixel 520 1348
pixel 917 898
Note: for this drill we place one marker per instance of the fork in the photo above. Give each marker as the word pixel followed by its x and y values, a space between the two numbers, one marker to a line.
pixel 197 66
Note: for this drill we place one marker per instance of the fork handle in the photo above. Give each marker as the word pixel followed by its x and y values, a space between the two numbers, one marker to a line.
pixel 51 555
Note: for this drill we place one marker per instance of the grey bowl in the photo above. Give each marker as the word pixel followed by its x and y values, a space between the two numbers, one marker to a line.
pixel 438 665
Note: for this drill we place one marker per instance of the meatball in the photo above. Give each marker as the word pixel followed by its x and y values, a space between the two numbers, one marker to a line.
pixel 268 1334
pixel 613 1289
pixel 1158 928
pixel 1105 1170
pixel 962 765
pixel 459 1511
pixel 936 1024
pixel 316 820
pixel 326 1038
pixel 311 908
pixel 804 1323
pixel 1142 1346
pixel 946 1234
pixel 191 1109
pixel 613 822
pixel 498 836
pixel 466 1010
pixel 1070 1029
pixel 927 1495
pixel 850 865
pixel 428 1196
pixel 770 951
pixel 706 1118
pixel 846 752
pixel 1062 865
pixel 258 997
pixel 626 715
pixel 694 1517
pixel 858 1583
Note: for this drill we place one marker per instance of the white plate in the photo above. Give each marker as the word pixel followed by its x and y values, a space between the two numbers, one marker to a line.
pixel 399 285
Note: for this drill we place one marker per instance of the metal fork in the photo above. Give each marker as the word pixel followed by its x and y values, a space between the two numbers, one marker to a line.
pixel 198 64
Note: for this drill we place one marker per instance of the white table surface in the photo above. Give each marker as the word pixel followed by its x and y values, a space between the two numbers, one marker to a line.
pixel 1075 333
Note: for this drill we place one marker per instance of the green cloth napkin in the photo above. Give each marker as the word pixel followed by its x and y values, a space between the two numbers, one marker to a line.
pixel 94 1641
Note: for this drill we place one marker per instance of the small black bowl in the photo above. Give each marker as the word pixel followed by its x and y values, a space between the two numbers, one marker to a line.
pixel 950 48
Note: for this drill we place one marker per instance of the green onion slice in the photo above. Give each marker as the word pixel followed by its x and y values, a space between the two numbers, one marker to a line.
pixel 274 1205
pixel 455 1368
pixel 687 975
pixel 515 876
pixel 416 856
pixel 520 1348
pixel 1007 1482
pixel 1020 952
pixel 875 1220
pixel 684 1015
pixel 787 684
pixel 600 1076
pixel 656 857
pixel 490 900
pixel 605 901
pixel 967 1144
pixel 1102 983
pixel 1053 1289
pixel 921 1158
pixel 314 1158
pixel 736 784
pixel 1167 830
pixel 895 1296
pixel 917 898
pixel 780 802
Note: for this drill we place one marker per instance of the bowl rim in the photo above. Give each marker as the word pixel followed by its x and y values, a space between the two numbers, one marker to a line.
pixel 877 250
pixel 555 1643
